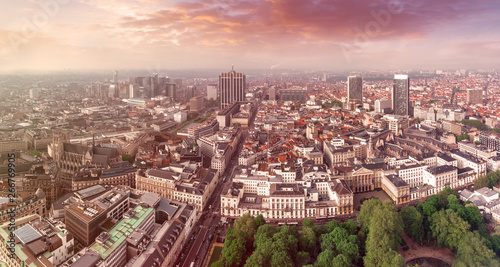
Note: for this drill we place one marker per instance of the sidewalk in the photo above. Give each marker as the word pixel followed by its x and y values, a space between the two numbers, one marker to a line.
pixel 416 251
pixel 209 254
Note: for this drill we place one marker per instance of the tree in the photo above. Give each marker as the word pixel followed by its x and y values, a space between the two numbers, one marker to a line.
pixel 247 225
pixel 281 258
pixel 307 240
pixel 219 263
pixel 234 255
pixel 382 257
pixel 473 252
pixel 127 157
pixel 259 220
pixel 350 226
pixel 494 178
pixel 477 143
pixel 443 195
pixel 365 214
pixel 384 237
pixel 448 228
pixel 481 182
pixel 236 124
pixel 463 136
pixel 413 222
pixel 341 260
pixel 265 232
pixel 302 258
pixel 324 258
pixel 454 203
pixel 478 124
pixel 332 225
pixel 308 223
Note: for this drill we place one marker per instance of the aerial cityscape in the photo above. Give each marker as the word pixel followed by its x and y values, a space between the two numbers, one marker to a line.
pixel 146 133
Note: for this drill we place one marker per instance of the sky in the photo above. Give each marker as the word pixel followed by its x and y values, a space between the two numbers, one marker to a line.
pixel 324 35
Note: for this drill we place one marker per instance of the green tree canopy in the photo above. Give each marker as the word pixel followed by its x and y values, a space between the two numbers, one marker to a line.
pixel 473 252
pixel 448 228
pixel 413 222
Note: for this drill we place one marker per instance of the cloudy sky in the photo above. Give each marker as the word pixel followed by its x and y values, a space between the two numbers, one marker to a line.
pixel 256 34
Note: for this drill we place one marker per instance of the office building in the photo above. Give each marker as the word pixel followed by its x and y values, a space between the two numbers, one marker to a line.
pixel 490 140
pixel 115 84
pixel 38 242
pixel 190 92
pixel 134 91
pixel 293 94
pixel 196 103
pixel 154 85
pixel 83 219
pixel 383 105
pixel 232 87
pixel 34 93
pixel 170 90
pixel 113 246
pixel 272 93
pixel 212 91
pixel 355 89
pixel 401 95
pixel 475 96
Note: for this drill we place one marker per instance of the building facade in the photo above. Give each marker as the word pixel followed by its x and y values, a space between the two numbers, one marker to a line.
pixel 401 95
pixel 232 87
pixel 355 89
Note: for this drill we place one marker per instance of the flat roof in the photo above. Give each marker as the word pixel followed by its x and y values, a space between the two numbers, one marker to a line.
pixel 27 234
pixel 120 232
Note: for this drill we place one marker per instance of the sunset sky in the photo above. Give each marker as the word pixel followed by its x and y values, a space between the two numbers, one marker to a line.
pixel 318 34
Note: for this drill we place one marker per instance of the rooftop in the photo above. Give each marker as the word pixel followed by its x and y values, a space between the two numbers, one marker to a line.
pixel 119 233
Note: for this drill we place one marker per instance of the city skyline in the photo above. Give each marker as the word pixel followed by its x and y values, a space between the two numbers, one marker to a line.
pixel 328 35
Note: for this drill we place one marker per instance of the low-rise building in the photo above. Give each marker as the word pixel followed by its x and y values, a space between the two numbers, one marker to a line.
pixel 38 242
pixel 441 176
pixel 396 188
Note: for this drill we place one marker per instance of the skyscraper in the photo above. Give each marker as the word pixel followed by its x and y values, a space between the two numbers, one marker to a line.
pixel 355 89
pixel 401 95
pixel 212 91
pixel 116 92
pixel 154 85
pixel 232 87
pixel 190 91
pixel 171 90
pixel 272 93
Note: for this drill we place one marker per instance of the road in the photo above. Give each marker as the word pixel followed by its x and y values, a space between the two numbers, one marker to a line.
pixel 206 226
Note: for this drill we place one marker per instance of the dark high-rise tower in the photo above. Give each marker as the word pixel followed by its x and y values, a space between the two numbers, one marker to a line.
pixel 401 95
pixel 355 89
pixel 190 92
pixel 155 88
pixel 231 87
pixel 115 84
pixel 171 90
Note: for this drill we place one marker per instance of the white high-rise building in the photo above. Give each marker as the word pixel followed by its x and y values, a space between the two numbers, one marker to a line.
pixel 212 91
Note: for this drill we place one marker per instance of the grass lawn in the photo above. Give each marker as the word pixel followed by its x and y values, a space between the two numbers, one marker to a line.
pixel 215 255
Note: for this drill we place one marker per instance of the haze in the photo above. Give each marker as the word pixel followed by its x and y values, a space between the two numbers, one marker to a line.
pixel 324 35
